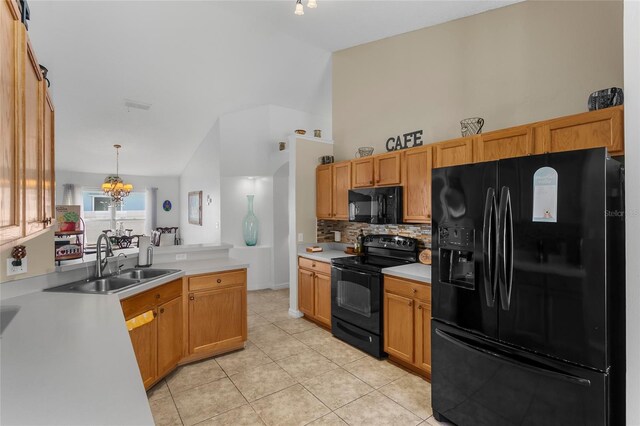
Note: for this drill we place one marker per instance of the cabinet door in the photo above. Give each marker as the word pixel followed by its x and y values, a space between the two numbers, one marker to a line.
pixel 417 185
pixel 217 318
pixel 508 143
pixel 306 292
pixel 454 152
pixel 423 336
pixel 398 326
pixel 169 335
pixel 322 289
pixel 362 173
pixel 33 141
pixel 387 169
pixel 10 134
pixel 603 128
pixel 48 159
pixel 324 184
pixel 341 187
pixel 145 345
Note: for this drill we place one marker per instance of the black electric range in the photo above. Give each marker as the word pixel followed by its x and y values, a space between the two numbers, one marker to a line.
pixel 356 290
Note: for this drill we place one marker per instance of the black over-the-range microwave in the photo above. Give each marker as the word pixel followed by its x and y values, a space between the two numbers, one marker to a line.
pixel 376 205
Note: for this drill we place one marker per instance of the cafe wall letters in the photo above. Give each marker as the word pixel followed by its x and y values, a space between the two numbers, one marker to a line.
pixel 408 140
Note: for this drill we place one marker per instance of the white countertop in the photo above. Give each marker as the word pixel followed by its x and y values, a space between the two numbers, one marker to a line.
pixel 414 271
pixel 67 358
pixel 323 256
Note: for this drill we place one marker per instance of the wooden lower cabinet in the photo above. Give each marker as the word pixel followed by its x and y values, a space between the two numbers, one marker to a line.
pixel 407 323
pixel 217 313
pixel 314 290
pixel 193 318
pixel 157 344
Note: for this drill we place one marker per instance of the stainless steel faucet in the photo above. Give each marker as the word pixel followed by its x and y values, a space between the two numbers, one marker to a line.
pixel 102 263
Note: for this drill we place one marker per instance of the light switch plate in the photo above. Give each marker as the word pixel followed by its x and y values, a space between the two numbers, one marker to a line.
pixel 181 256
pixel 15 270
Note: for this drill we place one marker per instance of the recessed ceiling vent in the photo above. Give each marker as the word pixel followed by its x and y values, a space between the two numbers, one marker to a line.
pixel 129 103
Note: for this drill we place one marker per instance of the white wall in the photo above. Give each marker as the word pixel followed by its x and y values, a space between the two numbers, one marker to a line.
pixel 202 173
pixel 632 161
pixel 281 226
pixel 168 189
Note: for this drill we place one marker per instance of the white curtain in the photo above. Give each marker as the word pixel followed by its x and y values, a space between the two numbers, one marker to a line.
pixel 68 194
pixel 151 213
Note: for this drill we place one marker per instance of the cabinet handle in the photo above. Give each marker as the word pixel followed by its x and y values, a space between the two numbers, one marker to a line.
pixel 155 314
pixel 162 310
pixel 219 280
pixel 191 297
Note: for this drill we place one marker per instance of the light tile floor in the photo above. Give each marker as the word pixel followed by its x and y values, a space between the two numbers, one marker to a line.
pixel 291 372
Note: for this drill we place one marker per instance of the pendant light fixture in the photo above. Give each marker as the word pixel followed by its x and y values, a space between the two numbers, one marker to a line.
pixel 113 184
pixel 311 4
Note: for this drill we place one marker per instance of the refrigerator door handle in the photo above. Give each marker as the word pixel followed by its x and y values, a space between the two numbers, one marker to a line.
pixel 490 271
pixel 509 238
pixel 509 359
pixel 504 240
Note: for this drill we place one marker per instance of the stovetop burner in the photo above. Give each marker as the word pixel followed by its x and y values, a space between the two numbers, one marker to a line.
pixel 382 251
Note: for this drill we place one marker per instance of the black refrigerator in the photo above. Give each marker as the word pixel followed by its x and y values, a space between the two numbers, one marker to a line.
pixel 528 288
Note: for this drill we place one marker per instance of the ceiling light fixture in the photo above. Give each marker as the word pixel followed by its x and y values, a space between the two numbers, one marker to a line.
pixel 113 184
pixel 311 4
pixel 299 9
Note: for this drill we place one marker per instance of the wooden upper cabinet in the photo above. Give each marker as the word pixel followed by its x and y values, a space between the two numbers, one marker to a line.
pixel 324 183
pixel 417 185
pixel 10 131
pixel 33 102
pixel 387 169
pixel 362 172
pixel 602 128
pixel 341 187
pixel 508 143
pixel 48 158
pixel 453 152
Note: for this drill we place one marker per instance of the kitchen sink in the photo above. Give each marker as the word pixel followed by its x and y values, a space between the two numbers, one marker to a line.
pixel 114 283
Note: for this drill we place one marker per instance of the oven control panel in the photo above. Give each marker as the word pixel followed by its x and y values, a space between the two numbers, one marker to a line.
pixel 391 242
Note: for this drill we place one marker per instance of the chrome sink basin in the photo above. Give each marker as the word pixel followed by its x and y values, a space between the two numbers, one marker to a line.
pixel 143 274
pixel 114 283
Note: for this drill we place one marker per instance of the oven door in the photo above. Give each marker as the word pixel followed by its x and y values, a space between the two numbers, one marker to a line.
pixel 355 297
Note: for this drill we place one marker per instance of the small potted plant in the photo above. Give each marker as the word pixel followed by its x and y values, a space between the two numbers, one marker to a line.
pixel 69 221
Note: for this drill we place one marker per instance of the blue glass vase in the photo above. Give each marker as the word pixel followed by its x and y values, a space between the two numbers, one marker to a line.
pixel 250 225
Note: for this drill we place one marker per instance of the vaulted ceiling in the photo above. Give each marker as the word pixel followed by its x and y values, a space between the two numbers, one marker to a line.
pixel 193 61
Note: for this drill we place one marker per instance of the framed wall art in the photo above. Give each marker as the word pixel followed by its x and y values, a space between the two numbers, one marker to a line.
pixel 195 208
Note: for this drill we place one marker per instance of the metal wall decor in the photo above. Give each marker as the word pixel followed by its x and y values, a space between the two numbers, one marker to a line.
pixel 407 140
pixel 471 126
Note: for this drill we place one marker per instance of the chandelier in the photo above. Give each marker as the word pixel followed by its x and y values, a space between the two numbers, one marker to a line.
pixel 113 184
pixel 311 4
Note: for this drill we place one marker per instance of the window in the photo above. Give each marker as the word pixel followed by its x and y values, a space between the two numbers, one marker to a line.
pixel 97 214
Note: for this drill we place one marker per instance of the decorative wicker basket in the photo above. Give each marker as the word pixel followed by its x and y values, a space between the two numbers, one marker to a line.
pixel 471 126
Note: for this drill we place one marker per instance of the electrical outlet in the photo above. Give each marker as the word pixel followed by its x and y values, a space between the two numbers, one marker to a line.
pixel 300 237
pixel 15 270
pixel 181 256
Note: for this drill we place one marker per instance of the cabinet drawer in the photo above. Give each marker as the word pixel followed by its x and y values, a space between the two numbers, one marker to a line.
pixel 314 265
pixel 219 280
pixel 151 298
pixel 408 288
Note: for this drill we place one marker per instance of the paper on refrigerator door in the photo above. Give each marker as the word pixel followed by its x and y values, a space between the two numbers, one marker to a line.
pixel 545 195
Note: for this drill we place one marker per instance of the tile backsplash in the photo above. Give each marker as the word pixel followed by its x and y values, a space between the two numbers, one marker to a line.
pixel 349 231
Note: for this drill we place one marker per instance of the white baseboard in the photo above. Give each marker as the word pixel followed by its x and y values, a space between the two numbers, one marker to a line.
pixel 280 286
pixel 295 313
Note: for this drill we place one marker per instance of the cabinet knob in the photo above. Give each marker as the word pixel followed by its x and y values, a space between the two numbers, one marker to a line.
pixel 415 290
pixel 420 307
pixel 219 280
pixel 162 310
pixel 410 303
pixel 158 296
pixel 155 314
pixel 191 297
pixel 313 265
pixel 370 182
